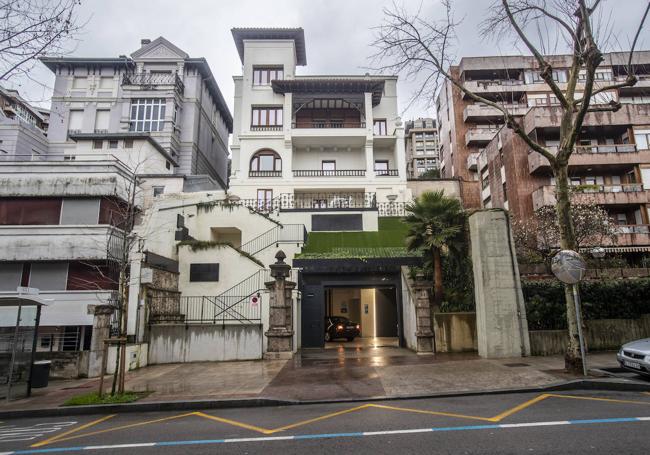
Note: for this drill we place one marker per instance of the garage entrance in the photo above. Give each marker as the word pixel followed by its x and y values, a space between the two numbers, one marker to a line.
pixel 371 300
pixel 361 317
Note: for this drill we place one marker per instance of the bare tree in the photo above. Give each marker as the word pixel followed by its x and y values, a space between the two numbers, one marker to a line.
pixel 409 43
pixel 32 28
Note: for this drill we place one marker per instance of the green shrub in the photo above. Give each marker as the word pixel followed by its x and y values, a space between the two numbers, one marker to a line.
pixel 608 299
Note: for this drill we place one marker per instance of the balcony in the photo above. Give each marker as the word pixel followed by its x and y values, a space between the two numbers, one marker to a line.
pixel 479 136
pixel 56 243
pixel 335 173
pixel 266 128
pixel 265 173
pixel 494 86
pixel 331 133
pixel 616 155
pixel 153 81
pixel 624 194
pixel 472 162
pixel 483 112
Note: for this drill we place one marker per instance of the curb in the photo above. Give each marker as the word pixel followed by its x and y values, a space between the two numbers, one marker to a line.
pixel 621 385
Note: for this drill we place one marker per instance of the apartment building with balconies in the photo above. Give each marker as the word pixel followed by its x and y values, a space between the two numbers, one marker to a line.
pixel 422 148
pixel 610 165
pixel 323 143
pixel 23 127
pixel 158 98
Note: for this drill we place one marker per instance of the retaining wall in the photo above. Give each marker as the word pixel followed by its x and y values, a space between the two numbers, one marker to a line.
pixel 174 343
pixel 455 332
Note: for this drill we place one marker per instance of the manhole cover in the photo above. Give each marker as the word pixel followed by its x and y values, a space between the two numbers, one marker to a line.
pixel 515 365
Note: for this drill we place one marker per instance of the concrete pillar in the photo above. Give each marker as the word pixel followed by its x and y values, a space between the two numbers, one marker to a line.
pixel 369 119
pixel 101 332
pixel 280 333
pixel 287 121
pixel 501 324
pixel 423 326
pixel 400 149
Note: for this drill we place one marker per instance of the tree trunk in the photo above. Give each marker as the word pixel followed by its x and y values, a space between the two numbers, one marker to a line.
pixel 437 278
pixel 572 358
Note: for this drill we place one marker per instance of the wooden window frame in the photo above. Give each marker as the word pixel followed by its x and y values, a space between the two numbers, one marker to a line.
pixel 264 75
pixel 256 116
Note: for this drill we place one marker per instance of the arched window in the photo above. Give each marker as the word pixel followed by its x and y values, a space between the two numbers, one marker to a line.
pixel 266 161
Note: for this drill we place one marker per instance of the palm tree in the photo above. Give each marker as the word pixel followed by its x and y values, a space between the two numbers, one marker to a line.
pixel 435 222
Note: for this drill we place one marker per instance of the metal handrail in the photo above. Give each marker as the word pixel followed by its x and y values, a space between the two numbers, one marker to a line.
pixel 286 233
pixel 327 124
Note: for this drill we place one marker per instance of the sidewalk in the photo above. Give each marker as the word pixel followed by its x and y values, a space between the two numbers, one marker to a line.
pixel 331 374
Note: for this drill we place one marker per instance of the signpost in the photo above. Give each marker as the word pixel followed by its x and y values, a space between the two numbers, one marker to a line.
pixel 569 267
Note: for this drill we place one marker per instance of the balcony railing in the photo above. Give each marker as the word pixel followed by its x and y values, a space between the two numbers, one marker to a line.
pixel 327 124
pixel 622 188
pixel 633 229
pixel 327 201
pixel 608 148
pixel 152 80
pixel 387 172
pixel 265 173
pixel 266 128
pixel 334 173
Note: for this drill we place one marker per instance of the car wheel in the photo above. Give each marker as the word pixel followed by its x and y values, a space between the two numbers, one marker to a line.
pixel 327 336
pixel 350 338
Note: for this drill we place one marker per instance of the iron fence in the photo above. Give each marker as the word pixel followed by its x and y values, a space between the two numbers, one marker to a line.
pixel 154 79
pixel 391 208
pixel 332 173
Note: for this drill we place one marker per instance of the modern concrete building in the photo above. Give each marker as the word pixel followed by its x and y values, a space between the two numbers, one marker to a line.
pixel 422 148
pixel 611 163
pixel 23 128
pixel 158 98
pixel 123 132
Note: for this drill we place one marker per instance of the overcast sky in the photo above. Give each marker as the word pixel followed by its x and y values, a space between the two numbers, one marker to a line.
pixel 337 33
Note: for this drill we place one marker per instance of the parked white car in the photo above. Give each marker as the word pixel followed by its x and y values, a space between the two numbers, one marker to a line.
pixel 635 356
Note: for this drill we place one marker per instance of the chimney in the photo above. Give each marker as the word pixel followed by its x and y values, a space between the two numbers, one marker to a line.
pixel 145 41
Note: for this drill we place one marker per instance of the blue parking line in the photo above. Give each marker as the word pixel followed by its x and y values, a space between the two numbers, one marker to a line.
pixel 328 435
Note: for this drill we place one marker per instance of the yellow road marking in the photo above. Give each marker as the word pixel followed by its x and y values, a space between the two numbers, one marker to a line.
pixel 421 411
pixel 122 427
pixel 235 423
pixel 610 400
pixel 326 416
pixel 74 430
pixel 507 413
pixel 518 408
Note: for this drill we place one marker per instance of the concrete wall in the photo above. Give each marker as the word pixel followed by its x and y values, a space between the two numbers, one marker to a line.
pixel 501 323
pixel 455 332
pixel 451 187
pixel 601 335
pixel 136 357
pixel 66 364
pixel 197 343
pixel 408 312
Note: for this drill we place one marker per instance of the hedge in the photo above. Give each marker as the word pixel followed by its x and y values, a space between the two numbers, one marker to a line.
pixel 607 299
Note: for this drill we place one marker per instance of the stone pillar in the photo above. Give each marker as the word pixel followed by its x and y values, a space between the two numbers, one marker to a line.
pixel 101 332
pixel 280 333
pixel 400 149
pixel 369 144
pixel 423 316
pixel 501 325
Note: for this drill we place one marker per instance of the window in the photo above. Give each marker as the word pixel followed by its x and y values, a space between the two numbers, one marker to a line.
pixel 264 75
pixel 112 144
pixel 147 114
pixel 75 120
pixel 505 192
pixel 485 181
pixel 266 160
pixel 621 219
pixel 380 128
pixel 381 167
pixel 80 82
pixel 98 144
pixel 30 211
pixel 128 143
pixel 266 116
pixel 204 272
pixel 102 120
pixel 642 139
pixel 158 191
pixel 168 165
pixel 264 200
pixel 328 167
pixel 106 82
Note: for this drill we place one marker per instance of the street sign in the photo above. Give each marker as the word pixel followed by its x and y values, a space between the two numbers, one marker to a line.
pixel 27 290
pixel 146 275
pixel 255 300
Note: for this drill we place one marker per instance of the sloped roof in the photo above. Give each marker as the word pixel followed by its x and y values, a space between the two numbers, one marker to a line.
pixel 261 33
pixel 331 85
pixel 160 41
